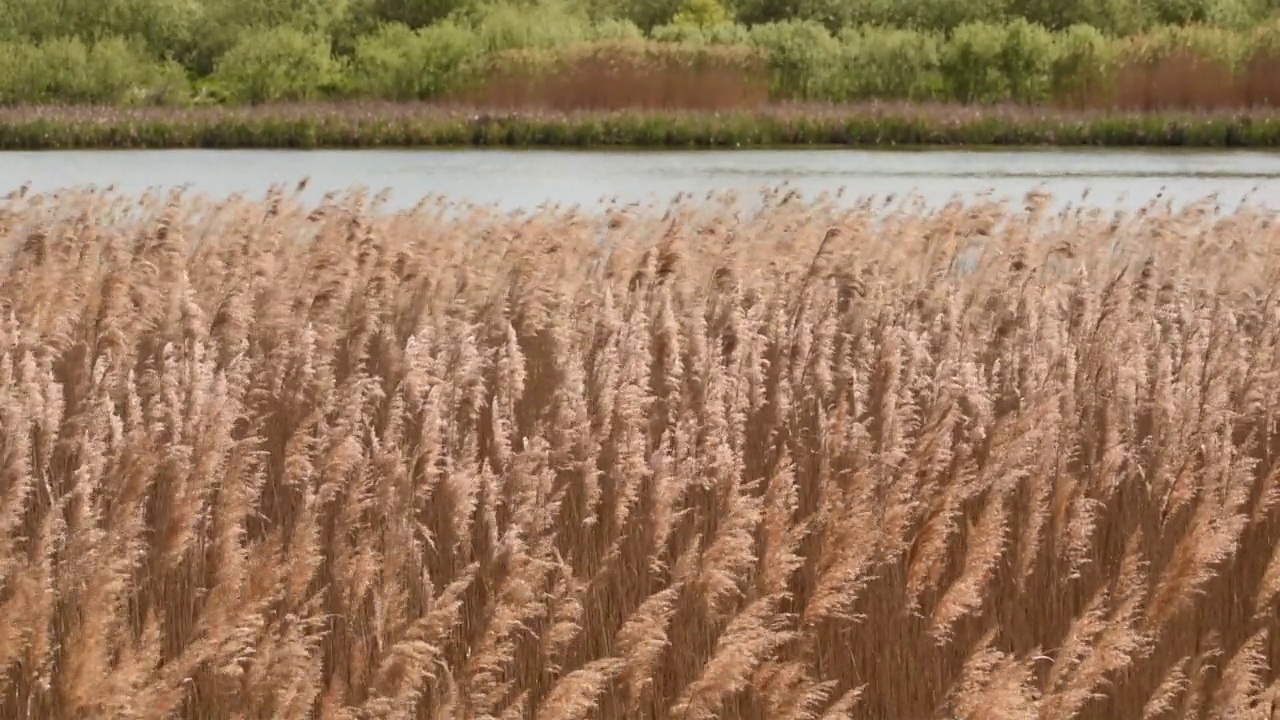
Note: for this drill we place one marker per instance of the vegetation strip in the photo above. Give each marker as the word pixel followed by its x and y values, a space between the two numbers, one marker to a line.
pixel 408 125
pixel 700 60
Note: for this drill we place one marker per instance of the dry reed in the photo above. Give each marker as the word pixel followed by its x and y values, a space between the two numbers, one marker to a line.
pixel 621 77
pixel 801 460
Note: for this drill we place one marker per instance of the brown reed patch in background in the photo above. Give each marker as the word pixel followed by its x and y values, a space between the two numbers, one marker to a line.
pixel 1183 81
pixel 620 76
pixel 605 80
pixel 812 460
pixel 1179 81
pixel 1262 80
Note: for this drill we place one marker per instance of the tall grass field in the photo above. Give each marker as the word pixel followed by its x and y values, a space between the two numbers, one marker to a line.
pixel 804 458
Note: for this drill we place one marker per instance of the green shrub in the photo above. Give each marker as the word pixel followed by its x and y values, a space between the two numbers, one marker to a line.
pixel 1239 14
pixel 1027 59
pixel 884 63
pixel 277 64
pixel 702 13
pixel 971 63
pixel 547 24
pixel 1264 40
pixel 221 25
pixel 679 33
pixel 726 33
pixel 398 63
pixel 1111 17
pixel 614 29
pixel 364 16
pixel 1201 41
pixel 802 56
pixel 831 14
pixel 947 15
pixel 68 70
pixel 1083 62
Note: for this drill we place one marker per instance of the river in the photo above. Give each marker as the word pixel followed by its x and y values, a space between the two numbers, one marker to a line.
pixel 526 178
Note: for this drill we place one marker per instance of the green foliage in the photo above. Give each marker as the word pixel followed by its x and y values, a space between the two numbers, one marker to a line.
pixel 364 16
pixel 163 24
pixel 1083 62
pixel 111 71
pixel 224 24
pixel 276 64
pixel 926 15
pixel 832 14
pixel 702 14
pixel 1220 13
pixel 971 63
pixel 1114 17
pixel 1199 41
pixel 726 33
pixel 647 14
pixel 1265 39
pixel 1029 51
pixel 547 24
pixel 888 63
pixel 802 55
pixel 398 63
pixel 615 29
pixel 982 62
pixel 1027 58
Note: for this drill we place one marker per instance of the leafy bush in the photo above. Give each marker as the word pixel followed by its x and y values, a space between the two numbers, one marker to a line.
pixel 547 24
pixel 614 29
pixel 948 15
pixel 111 71
pixel 1220 13
pixel 971 63
pixel 726 33
pixel 402 64
pixel 887 63
pixel 802 55
pixel 364 16
pixel 1113 17
pixel 1027 59
pixel 1200 41
pixel 277 64
pixel 702 13
pixel 1084 61
pixel 224 24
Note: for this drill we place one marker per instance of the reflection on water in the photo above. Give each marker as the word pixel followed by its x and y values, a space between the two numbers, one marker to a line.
pixel 519 178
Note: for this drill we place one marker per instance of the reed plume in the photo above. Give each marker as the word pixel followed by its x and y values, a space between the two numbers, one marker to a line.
pixel 786 458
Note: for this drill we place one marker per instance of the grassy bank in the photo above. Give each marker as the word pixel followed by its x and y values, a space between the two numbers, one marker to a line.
pixel 414 125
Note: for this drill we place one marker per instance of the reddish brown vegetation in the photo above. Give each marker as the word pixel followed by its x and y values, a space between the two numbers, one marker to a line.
pixel 612 80
pixel 605 79
pixel 1185 81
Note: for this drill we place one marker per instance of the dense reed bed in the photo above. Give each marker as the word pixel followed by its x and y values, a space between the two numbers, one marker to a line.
pixel 717 459
pixel 341 125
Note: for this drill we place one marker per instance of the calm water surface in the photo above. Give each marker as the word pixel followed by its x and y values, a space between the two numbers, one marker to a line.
pixel 518 178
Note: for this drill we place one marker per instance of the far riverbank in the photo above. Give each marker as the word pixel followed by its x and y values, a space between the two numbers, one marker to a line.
pixel 393 125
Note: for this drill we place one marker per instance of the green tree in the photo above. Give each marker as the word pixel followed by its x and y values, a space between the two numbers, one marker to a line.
pixel 112 71
pixel 702 13
pixel 971 63
pixel 227 23
pixel 403 64
pixel 276 64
